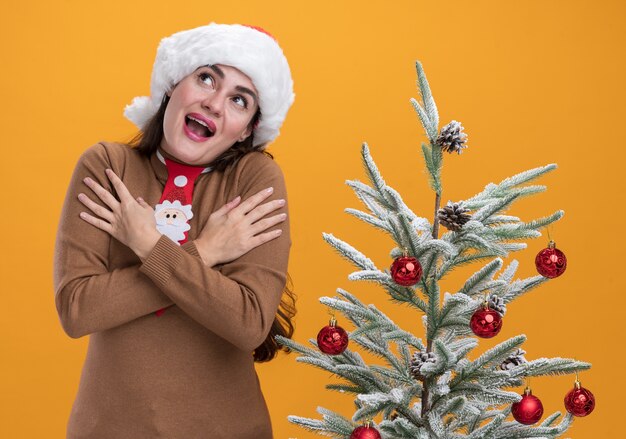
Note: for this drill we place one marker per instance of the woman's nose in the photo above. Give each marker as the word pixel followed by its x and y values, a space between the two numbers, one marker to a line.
pixel 213 102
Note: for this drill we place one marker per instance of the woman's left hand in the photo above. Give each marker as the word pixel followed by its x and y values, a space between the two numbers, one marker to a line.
pixel 129 221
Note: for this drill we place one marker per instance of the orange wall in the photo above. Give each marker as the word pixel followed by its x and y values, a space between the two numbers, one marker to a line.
pixel 533 82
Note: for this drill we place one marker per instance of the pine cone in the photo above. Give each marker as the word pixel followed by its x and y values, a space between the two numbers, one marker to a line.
pixel 452 138
pixel 453 216
pixel 418 360
pixel 516 359
pixel 394 415
pixel 497 304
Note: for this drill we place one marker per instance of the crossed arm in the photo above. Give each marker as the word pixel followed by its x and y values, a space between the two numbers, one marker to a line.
pixel 237 301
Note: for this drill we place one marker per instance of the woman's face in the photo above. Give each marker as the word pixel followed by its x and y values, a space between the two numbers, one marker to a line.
pixel 208 111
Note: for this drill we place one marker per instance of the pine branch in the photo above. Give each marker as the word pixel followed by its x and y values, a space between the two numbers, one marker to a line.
pixel 492 357
pixel 427 97
pixel 369 219
pixel 349 252
pixel 549 366
pixel 373 174
pixel 370 197
pixel 487 430
pixel 433 161
pixel 333 425
pixel 515 430
pixel 345 388
pixel 481 276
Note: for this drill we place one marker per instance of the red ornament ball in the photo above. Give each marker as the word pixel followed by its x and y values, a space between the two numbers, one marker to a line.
pixel 486 323
pixel 528 410
pixel 580 401
pixel 365 433
pixel 551 262
pixel 406 271
pixel 332 340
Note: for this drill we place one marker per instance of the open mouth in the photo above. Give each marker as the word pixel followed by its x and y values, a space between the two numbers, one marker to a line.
pixel 199 127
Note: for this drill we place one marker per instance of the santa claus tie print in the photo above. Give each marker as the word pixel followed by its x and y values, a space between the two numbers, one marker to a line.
pixel 174 211
pixel 172 219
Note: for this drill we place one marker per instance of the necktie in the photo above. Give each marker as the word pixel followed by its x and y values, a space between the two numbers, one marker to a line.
pixel 174 211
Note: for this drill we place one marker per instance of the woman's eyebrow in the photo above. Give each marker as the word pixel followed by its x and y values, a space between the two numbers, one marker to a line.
pixel 217 70
pixel 248 91
pixel 240 88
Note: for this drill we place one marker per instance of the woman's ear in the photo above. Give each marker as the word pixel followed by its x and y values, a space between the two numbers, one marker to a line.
pixel 246 133
pixel 169 92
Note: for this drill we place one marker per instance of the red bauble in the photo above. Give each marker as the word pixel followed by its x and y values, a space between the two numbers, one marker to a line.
pixel 332 339
pixel 551 262
pixel 529 410
pixel 365 433
pixel 406 271
pixel 486 323
pixel 580 401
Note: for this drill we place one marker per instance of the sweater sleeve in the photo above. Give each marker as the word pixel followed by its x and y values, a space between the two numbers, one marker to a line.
pixel 238 300
pixel 89 296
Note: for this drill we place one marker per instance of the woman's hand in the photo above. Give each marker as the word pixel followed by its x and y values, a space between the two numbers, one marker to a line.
pixel 129 221
pixel 229 232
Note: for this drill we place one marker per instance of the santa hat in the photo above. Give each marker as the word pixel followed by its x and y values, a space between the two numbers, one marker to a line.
pixel 250 49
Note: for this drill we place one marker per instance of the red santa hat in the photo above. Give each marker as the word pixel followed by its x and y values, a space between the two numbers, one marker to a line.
pixel 250 49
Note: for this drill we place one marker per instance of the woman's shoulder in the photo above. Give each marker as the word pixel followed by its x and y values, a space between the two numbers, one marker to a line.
pixel 257 162
pixel 109 152
pixel 258 169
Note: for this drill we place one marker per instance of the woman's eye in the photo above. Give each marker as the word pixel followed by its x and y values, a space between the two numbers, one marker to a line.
pixel 204 76
pixel 240 100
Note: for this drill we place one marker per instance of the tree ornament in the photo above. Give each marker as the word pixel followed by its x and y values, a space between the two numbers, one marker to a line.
pixel 365 432
pixel 332 339
pixel 579 401
pixel 453 216
pixel 406 270
pixel 528 410
pixel 417 361
pixel 551 262
pixel 486 322
pixel 452 138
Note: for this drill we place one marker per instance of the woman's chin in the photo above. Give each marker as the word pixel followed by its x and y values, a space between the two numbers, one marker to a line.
pixel 195 153
pixel 188 154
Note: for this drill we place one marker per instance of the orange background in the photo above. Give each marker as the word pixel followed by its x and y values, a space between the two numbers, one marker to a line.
pixel 533 82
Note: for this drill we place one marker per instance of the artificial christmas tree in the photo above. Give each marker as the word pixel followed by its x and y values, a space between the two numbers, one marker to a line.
pixel 431 388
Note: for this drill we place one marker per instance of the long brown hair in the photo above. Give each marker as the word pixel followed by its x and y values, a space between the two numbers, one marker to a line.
pixel 147 141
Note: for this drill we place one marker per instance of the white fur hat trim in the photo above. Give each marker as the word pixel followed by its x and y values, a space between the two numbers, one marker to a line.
pixel 253 52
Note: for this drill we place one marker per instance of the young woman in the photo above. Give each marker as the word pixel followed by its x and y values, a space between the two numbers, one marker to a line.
pixel 172 253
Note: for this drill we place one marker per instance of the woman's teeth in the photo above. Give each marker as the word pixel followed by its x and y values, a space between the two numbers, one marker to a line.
pixel 199 127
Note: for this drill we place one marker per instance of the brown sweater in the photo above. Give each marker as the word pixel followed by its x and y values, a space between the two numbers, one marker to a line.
pixel 188 373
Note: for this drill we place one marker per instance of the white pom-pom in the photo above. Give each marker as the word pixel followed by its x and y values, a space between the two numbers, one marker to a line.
pixel 140 111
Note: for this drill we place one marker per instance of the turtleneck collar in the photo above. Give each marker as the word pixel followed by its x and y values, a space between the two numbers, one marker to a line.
pixel 157 159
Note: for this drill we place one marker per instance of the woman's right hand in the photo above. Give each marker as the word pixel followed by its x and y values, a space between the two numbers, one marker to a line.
pixel 230 231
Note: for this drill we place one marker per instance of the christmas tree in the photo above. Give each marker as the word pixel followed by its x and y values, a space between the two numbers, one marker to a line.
pixel 430 387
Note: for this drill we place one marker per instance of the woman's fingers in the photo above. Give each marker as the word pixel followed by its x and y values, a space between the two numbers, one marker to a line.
pixel 234 202
pixel 230 231
pixel 99 223
pixel 96 208
pixel 266 223
pixel 227 207
pixel 143 203
pixel 102 193
pixel 264 209
pixel 252 201
pixel 264 237
pixel 119 186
